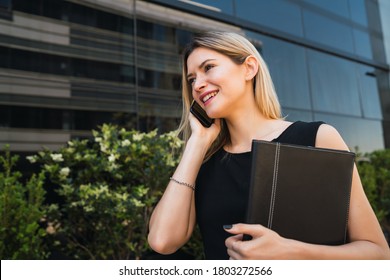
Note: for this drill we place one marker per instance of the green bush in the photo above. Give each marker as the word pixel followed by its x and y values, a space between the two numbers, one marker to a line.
pixel 374 169
pixel 108 187
pixel 21 212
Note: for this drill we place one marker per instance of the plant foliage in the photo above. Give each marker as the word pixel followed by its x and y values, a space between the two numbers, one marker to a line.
pixel 108 187
pixel 374 169
pixel 21 212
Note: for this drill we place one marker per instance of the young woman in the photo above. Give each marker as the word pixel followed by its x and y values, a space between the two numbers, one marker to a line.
pixel 226 75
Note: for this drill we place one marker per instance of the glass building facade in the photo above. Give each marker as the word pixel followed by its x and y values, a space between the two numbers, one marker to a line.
pixel 68 66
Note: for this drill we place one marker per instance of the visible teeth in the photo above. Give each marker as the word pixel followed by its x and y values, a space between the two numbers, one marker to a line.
pixel 208 96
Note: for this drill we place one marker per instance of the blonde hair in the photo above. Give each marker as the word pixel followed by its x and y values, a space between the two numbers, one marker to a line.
pixel 237 48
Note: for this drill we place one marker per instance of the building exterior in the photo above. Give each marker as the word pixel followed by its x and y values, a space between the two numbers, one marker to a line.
pixel 68 66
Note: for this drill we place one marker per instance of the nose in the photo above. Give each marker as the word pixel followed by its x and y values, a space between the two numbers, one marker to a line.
pixel 199 84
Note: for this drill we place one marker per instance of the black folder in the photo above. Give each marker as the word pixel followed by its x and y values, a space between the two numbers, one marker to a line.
pixel 301 192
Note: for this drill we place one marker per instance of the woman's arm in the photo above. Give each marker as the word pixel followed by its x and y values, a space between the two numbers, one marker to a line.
pixel 366 238
pixel 365 235
pixel 173 220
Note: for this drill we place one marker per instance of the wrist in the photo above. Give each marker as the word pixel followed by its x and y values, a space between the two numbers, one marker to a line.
pixel 302 251
pixel 198 144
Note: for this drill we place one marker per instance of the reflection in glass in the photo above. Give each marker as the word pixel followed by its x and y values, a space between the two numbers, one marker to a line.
pixel 297 115
pixel 277 14
pixel 362 43
pixel 287 64
pixel 338 7
pixel 369 92
pixel 225 6
pixel 159 74
pixel 45 118
pixel 5 3
pixel 366 135
pixel 333 84
pixel 358 11
pixel 328 32
pixel 75 13
pixel 155 31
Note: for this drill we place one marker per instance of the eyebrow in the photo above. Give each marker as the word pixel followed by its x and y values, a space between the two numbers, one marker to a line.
pixel 200 66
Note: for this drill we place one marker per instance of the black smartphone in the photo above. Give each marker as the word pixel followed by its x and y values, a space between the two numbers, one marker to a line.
pixel 200 114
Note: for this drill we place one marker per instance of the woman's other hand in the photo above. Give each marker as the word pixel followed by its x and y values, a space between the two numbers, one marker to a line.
pixel 265 243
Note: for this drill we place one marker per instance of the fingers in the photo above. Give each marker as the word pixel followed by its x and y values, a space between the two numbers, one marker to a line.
pixel 249 229
pixel 238 249
pixel 233 247
pixel 265 244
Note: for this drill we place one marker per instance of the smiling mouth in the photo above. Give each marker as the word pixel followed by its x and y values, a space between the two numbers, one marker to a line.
pixel 209 96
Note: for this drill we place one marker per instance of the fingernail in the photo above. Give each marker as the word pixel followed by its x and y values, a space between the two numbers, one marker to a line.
pixel 227 226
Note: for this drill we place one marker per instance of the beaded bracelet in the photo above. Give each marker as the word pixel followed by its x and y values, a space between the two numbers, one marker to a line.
pixel 183 183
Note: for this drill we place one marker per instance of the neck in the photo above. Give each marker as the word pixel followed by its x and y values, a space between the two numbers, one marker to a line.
pixel 244 126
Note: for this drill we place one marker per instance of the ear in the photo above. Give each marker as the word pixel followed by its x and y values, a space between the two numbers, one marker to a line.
pixel 252 67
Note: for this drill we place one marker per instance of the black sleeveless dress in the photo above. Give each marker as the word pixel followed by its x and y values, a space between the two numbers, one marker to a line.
pixel 222 188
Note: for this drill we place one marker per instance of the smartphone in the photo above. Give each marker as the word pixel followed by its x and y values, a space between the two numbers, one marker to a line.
pixel 200 114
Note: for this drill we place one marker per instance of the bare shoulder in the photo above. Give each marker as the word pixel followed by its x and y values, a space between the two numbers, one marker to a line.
pixel 281 125
pixel 329 137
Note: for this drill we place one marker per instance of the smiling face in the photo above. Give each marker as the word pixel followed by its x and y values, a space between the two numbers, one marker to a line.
pixel 218 84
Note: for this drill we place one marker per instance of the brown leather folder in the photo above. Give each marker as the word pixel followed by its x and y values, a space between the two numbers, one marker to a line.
pixel 301 192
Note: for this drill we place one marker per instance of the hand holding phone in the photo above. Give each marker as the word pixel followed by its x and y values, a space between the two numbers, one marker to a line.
pixel 200 114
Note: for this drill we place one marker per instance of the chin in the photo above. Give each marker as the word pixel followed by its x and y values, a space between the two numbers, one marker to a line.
pixel 213 115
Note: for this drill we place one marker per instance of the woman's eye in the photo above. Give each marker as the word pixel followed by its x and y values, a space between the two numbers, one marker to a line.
pixel 208 67
pixel 191 81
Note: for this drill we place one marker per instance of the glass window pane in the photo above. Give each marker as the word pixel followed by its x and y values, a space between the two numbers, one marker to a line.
pixel 277 14
pixel 328 32
pixel 182 38
pixel 287 64
pixel 369 92
pixel 4 116
pixel 373 15
pixel 4 57
pixel 358 11
pixel 385 19
pixel 378 48
pixel 156 32
pixel 225 6
pixel 159 72
pixel 366 135
pixel 5 3
pixel 362 43
pixel 53 8
pixel 297 115
pixel 31 7
pixel 338 7
pixel 5 9
pixel 333 84
pixel 44 118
